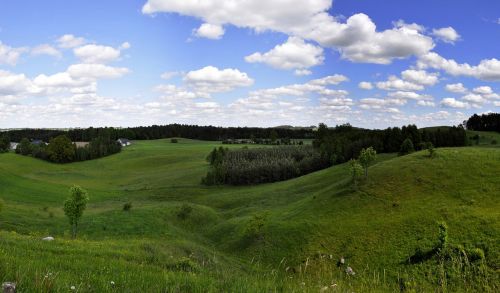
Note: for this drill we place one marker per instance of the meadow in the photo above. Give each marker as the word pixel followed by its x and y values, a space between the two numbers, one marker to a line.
pixel 182 236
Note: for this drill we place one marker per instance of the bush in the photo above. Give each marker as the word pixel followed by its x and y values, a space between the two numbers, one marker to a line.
pixel 174 140
pixel 184 211
pixel 127 206
pixel 494 141
pixel 406 147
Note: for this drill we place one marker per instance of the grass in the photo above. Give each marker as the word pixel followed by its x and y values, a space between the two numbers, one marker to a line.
pixel 285 236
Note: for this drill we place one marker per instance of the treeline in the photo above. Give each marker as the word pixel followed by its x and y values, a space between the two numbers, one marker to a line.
pixel 261 165
pixel 345 142
pixel 485 122
pixel 62 150
pixel 165 131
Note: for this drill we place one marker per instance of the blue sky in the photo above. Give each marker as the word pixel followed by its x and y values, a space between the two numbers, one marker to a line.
pixel 243 63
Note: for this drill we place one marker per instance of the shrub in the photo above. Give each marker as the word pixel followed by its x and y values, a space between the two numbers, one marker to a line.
pixel 253 229
pixel 366 157
pixel 476 254
pixel 184 211
pixel 174 140
pixel 356 171
pixel 127 206
pixel 443 236
pixel 494 141
pixel 406 147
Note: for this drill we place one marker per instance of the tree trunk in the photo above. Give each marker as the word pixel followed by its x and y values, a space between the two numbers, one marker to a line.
pixel 74 231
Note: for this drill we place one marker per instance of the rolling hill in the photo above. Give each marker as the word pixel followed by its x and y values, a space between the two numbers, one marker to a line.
pixel 181 236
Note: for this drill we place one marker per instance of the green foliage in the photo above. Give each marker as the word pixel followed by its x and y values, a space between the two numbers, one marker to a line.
pixel 367 157
pixel 430 149
pixel 184 211
pixel 174 140
pixel 61 150
pixel 4 143
pixel 24 147
pixel 254 228
pixel 74 206
pixel 356 171
pixel 443 236
pixel 406 147
pixel 273 136
pixel 260 165
pixel 127 206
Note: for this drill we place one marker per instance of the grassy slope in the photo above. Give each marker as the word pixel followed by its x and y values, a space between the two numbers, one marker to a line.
pixel 375 228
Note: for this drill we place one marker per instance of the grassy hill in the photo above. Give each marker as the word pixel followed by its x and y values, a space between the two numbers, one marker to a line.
pixel 181 236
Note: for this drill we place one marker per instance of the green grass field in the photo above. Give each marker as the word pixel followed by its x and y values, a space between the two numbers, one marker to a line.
pixel 304 225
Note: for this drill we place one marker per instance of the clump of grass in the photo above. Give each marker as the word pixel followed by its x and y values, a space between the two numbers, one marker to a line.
pixel 127 206
pixel 184 211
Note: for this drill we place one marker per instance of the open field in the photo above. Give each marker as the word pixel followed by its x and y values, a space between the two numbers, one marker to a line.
pixel 304 226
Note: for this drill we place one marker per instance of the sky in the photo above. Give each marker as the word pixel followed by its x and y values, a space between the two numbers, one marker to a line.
pixel 370 63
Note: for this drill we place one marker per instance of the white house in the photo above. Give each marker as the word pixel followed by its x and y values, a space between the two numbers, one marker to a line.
pixel 124 142
pixel 13 145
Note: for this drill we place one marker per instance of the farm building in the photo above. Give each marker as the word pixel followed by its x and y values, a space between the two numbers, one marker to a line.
pixel 81 144
pixel 124 142
pixel 13 145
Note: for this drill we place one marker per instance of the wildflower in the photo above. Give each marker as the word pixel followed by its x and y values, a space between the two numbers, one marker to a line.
pixel 333 285
pixel 350 271
pixel 303 284
pixel 112 283
pixel 73 288
pixel 323 289
pixel 342 260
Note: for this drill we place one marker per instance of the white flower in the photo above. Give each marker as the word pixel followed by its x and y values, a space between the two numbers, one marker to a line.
pixel 73 288
pixel 112 283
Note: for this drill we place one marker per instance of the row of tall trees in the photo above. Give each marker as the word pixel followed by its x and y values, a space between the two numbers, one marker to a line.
pixel 165 131
pixel 62 150
pixel 4 143
pixel 485 122
pixel 345 142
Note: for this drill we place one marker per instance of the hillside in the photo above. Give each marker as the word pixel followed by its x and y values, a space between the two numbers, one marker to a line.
pixel 281 236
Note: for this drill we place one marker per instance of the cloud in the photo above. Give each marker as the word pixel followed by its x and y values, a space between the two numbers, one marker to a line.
pixel 396 84
pixel 365 85
pixel 456 88
pixel 10 55
pixel 96 71
pixel 446 34
pixel 293 54
pixel 46 49
pixel 381 105
pixel 169 74
pixel 12 84
pixel 488 69
pixel 99 54
pixel 483 90
pixel 210 31
pixel 69 41
pixel 357 39
pixel 302 72
pixel 453 103
pixel 409 96
pixel 210 79
pixel 426 104
pixel 420 77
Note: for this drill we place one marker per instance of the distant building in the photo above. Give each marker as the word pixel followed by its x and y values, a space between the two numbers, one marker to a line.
pixel 124 142
pixel 81 144
pixel 13 145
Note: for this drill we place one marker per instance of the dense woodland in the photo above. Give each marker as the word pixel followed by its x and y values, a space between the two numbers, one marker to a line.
pixel 261 165
pixel 165 131
pixel 62 150
pixel 485 122
pixel 330 146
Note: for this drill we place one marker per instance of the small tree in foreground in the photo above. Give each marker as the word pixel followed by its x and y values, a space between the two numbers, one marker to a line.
pixel 356 171
pixel 74 207
pixel 367 157
pixel 430 149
